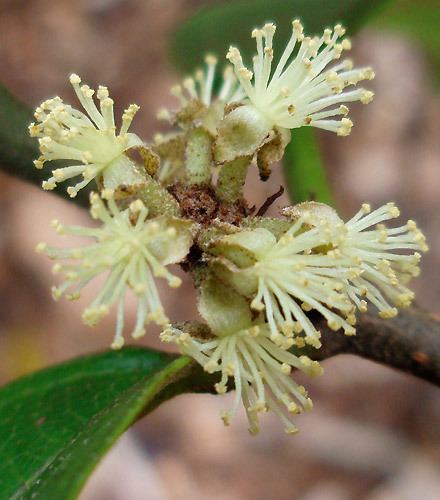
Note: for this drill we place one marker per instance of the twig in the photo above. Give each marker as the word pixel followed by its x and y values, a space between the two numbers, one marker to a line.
pixel 409 342
pixel 264 207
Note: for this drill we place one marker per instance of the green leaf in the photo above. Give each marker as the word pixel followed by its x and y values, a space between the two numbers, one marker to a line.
pixel 420 20
pixel 213 28
pixel 304 171
pixel 56 424
pixel 18 150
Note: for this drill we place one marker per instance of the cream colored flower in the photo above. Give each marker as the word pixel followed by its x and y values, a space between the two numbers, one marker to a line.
pixel 387 258
pixel 87 139
pixel 289 277
pixel 132 251
pixel 302 89
pixel 242 351
pixel 200 88
pixel 383 259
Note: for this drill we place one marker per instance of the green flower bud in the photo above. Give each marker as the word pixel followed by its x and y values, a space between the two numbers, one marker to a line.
pixel 241 133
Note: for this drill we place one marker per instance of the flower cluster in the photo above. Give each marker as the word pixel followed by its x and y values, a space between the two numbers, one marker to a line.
pixel 265 285
pixel 68 134
pixel 132 250
pixel 300 90
pixel 324 264
pixel 242 348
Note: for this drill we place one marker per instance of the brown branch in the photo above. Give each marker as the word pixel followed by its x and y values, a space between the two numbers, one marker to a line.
pixel 409 342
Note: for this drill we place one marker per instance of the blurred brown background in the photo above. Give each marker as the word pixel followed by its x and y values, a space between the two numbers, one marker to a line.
pixel 374 433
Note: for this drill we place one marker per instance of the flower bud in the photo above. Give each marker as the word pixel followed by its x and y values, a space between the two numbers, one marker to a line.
pixel 241 133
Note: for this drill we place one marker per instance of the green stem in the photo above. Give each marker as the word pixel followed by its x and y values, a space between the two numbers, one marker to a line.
pixel 231 179
pixel 158 200
pixel 198 157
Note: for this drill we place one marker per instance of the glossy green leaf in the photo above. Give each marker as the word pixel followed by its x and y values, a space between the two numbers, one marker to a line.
pixel 56 424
